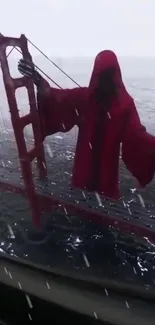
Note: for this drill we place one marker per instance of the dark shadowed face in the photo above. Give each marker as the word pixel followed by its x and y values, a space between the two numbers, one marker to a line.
pixel 107 88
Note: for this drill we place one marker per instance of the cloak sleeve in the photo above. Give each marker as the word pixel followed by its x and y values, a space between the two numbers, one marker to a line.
pixel 59 109
pixel 138 148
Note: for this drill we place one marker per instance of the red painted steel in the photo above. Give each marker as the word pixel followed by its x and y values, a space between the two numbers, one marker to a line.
pixel 39 202
pixel 20 122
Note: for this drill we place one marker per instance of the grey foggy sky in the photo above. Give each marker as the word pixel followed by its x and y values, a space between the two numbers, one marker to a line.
pixel 83 27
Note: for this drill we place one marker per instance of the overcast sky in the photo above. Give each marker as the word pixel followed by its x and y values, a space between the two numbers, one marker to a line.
pixel 83 27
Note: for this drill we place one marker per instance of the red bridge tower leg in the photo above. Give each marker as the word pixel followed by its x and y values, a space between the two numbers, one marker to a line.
pixel 19 123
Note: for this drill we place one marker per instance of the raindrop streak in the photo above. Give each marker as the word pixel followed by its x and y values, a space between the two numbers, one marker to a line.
pixel 66 214
pixel 90 145
pixel 65 211
pixel 95 315
pixel 141 200
pixel 10 275
pixel 109 115
pixel 48 286
pixel 44 165
pixel 11 231
pixel 30 316
pixel 127 305
pixel 124 204
pixel 86 260
pixel 49 150
pixel 77 113
pixel 5 269
pixel 19 284
pixel 3 163
pixel 29 301
pixel 63 126
pixel 98 199
pixel 106 292
pixel 83 193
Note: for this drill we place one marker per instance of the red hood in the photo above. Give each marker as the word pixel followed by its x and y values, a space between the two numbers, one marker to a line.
pixel 104 60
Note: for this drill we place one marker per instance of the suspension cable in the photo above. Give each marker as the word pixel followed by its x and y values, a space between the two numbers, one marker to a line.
pixel 16 48
pixel 37 48
pixel 47 76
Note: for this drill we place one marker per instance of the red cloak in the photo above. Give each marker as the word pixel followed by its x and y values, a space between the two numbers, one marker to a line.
pixel 96 162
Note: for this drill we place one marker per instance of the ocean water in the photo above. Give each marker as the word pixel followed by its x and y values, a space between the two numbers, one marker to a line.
pixel 77 246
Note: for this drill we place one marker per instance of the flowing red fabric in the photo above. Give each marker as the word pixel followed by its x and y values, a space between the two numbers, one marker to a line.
pixel 96 162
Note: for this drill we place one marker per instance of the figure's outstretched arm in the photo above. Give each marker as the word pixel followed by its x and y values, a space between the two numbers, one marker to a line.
pixel 138 148
pixel 59 109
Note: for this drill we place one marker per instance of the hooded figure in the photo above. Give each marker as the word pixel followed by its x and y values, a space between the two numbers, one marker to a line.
pixel 107 117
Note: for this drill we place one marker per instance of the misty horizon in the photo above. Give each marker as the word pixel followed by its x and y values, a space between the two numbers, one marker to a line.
pixel 75 28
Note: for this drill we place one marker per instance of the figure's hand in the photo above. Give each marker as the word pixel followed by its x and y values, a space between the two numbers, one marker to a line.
pixel 27 69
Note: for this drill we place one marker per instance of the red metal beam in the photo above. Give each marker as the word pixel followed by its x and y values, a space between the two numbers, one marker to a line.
pixel 11 85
